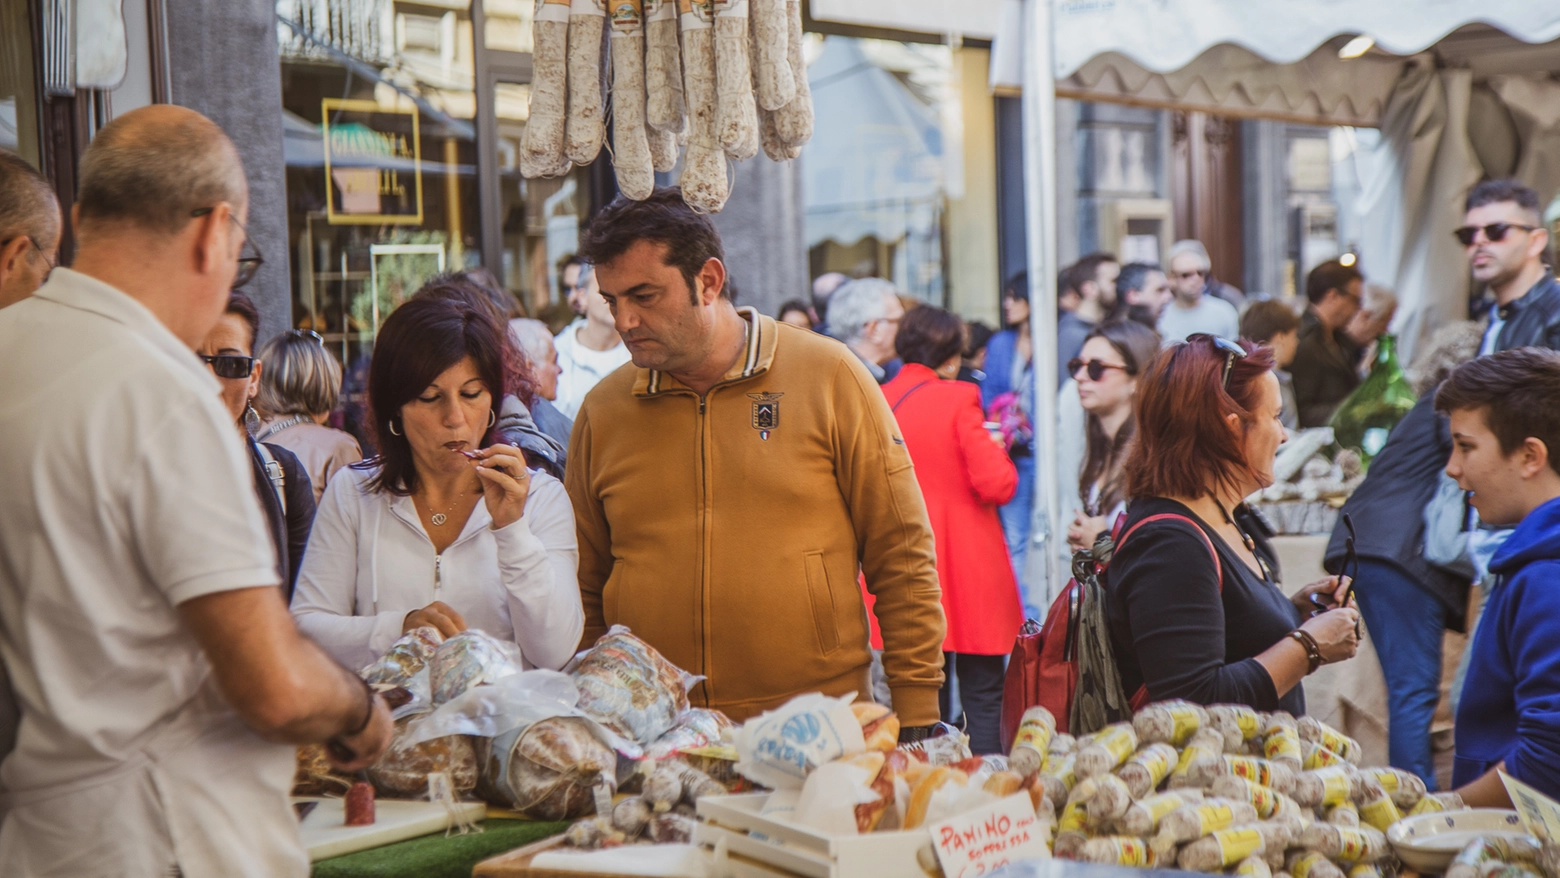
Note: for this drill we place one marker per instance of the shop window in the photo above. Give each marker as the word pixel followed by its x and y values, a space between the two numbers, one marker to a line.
pixel 18 90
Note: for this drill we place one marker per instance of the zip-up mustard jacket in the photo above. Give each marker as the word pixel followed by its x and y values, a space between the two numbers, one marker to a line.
pixel 728 531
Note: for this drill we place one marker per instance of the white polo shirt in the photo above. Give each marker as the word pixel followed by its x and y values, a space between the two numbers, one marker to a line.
pixel 124 491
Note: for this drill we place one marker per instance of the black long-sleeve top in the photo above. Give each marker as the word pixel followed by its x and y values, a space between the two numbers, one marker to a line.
pixel 1174 631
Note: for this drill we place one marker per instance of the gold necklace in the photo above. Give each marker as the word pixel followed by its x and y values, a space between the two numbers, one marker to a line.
pixel 439 518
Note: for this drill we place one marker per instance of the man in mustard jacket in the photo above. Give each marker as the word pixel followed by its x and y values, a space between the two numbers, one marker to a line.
pixel 730 483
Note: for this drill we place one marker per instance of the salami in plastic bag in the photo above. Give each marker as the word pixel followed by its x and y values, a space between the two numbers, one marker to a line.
pixel 405 657
pixel 402 772
pixel 468 659
pixel 696 727
pixel 629 687
pixel 554 769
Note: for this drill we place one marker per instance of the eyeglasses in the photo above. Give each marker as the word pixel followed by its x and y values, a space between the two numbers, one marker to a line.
pixel 41 255
pixel 1494 232
pixel 249 258
pixel 231 366
pixel 1188 275
pixel 1096 368
pixel 1232 352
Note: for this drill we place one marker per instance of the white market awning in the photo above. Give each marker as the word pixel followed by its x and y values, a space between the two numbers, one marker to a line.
pixel 1274 58
pixel 971 18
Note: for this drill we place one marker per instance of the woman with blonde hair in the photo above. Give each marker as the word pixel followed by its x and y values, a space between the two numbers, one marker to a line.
pixel 298 390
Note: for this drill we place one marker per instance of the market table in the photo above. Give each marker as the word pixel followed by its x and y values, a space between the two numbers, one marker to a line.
pixel 435 856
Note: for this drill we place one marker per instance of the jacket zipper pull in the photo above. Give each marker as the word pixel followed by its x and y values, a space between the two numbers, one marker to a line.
pixel 438 575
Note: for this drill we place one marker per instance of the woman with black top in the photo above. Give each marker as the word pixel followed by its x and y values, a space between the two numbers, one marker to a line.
pixel 1195 606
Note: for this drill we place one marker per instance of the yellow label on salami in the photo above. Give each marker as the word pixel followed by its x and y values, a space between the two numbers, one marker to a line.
pixel 1321 757
pixel 1336 785
pixel 1355 844
pixel 1261 798
pixel 1133 852
pixel 1427 805
pixel 1212 818
pixel 1301 867
pixel 1283 742
pixel 1073 818
pixel 1162 804
pixel 1061 768
pixel 1118 740
pixel 1154 761
pixel 1033 734
pixel 1237 844
pixel 1255 770
pixel 1334 741
pixel 1381 813
pixel 1184 724
pixel 1248 721
pixel 1389 779
pixel 1188 756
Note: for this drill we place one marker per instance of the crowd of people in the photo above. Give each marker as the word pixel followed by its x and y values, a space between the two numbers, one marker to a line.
pixel 195 560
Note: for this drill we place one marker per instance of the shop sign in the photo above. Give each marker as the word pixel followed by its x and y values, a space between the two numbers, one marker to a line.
pixel 373 163
pixel 985 839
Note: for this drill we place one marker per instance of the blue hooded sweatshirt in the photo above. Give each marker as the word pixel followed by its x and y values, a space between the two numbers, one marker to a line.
pixel 1510 708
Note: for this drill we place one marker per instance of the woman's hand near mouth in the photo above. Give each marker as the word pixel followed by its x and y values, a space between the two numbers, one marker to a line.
pixel 505 482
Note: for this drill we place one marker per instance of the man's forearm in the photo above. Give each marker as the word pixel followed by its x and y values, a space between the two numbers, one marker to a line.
pixel 281 683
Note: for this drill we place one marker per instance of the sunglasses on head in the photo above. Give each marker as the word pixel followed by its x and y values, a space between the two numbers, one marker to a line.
pixel 230 366
pixel 1350 568
pixel 1494 232
pixel 1231 351
pixel 1096 368
pixel 249 258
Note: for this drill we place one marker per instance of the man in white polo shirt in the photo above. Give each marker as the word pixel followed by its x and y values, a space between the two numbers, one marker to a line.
pixel 589 349
pixel 159 676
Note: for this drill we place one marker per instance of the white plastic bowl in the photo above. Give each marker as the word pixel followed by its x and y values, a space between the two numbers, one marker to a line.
pixel 1428 842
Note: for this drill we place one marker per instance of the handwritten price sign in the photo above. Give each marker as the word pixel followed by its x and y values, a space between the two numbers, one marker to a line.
pixel 983 840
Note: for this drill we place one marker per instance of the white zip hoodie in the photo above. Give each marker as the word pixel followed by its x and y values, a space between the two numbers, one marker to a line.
pixel 369 563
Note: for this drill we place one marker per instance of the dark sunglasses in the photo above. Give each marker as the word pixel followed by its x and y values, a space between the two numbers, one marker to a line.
pixel 1494 232
pixel 1188 275
pixel 1096 368
pixel 1232 352
pixel 231 366
pixel 307 333
pixel 249 258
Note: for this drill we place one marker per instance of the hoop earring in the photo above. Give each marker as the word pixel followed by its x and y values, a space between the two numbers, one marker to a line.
pixel 391 424
pixel 492 418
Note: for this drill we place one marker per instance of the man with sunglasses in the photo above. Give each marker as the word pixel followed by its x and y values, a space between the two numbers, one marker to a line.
pixel 161 682
pixel 29 229
pixel 1196 307
pixel 1505 239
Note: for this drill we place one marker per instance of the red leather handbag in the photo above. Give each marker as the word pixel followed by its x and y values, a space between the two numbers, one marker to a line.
pixel 1043 667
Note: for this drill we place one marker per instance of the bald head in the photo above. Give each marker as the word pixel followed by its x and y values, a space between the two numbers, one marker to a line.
pixel 153 167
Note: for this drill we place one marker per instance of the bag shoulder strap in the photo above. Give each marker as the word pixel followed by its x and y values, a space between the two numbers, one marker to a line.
pixel 274 472
pixel 908 394
pixel 1218 568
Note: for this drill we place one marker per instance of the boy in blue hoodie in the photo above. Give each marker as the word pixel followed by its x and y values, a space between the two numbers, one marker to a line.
pixel 1505 422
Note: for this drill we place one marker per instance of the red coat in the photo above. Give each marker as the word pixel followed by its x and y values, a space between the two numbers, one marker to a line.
pixel 964 477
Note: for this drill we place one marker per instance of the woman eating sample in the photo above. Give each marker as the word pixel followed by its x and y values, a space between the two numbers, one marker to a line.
pixel 1107 371
pixel 443 527
pixel 1195 608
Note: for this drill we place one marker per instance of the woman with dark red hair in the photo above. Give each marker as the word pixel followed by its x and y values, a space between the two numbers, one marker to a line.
pixel 1196 610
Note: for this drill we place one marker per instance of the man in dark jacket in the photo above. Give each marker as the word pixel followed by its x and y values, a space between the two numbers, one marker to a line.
pixel 1505 239
pixel 1504 422
pixel 1326 363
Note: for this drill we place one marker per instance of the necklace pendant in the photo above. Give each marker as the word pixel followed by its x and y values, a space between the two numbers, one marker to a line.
pixel 438 518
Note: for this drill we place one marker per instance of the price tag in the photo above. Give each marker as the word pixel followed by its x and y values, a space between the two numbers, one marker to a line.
pixel 1539 813
pixel 980 841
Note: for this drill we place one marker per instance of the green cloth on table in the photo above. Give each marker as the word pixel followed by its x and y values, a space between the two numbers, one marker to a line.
pixel 434 856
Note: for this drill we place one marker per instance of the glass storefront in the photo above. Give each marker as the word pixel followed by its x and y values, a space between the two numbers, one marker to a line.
pixel 18 91
pixel 381 100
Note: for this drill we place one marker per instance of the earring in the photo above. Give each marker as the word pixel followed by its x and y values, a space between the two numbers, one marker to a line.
pixel 251 420
pixel 391 424
pixel 492 418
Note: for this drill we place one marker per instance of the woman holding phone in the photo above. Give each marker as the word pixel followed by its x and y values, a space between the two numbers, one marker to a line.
pixel 1196 609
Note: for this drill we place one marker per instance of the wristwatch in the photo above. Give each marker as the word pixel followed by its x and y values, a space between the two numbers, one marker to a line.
pixel 1313 652
pixel 911 734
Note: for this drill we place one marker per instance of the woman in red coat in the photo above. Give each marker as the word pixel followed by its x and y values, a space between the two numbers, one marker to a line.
pixel 965 474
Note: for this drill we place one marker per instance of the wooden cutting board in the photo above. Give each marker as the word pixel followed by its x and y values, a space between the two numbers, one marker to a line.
pixel 325 835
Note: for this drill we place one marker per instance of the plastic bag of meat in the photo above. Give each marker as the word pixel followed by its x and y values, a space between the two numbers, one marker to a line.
pixel 629 687
pixel 468 659
pixel 402 772
pixel 405 657
pixel 314 775
pixel 696 727
pixel 554 769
